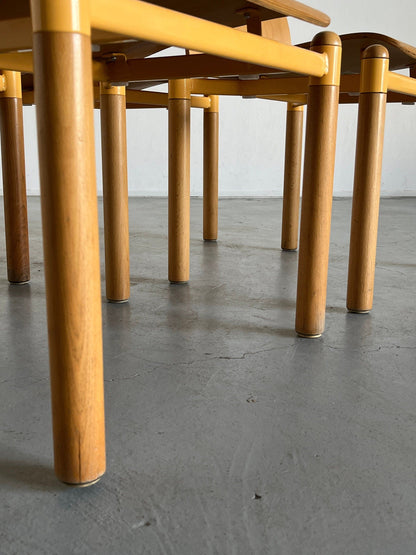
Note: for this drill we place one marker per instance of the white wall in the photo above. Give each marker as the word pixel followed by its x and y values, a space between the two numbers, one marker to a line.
pixel 395 19
pixel 252 131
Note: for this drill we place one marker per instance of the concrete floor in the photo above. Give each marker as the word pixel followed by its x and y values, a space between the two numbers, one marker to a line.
pixel 226 433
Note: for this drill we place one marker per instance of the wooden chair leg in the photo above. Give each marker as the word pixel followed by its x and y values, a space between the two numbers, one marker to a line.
pixel 368 163
pixel 116 210
pixel 14 180
pixel 317 191
pixel 179 180
pixel 211 132
pixel 293 169
pixel 64 106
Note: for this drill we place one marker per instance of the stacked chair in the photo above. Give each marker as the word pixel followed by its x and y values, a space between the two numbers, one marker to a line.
pixel 374 57
pixel 121 33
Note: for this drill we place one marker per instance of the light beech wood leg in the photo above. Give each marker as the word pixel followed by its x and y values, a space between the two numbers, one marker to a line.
pixel 179 180
pixel 116 214
pixel 14 180
pixel 317 191
pixel 293 169
pixel 211 132
pixel 64 106
pixel 368 164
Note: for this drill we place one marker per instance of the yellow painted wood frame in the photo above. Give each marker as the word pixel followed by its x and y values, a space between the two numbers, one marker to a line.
pixel 68 193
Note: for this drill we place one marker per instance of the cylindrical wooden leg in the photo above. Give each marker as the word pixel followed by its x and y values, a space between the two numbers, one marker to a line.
pixel 116 214
pixel 211 131
pixel 293 168
pixel 14 180
pixel 64 106
pixel 317 191
pixel 179 180
pixel 368 163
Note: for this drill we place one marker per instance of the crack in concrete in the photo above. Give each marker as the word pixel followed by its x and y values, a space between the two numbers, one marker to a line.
pixel 365 351
pixel 122 378
pixel 248 353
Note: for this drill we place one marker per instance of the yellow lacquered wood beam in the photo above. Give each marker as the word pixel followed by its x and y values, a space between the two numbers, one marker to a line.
pixel 152 98
pixel 100 72
pixel 259 87
pixel 297 99
pixel 221 87
pixel 401 84
pixel 143 99
pixel 12 84
pixel 201 102
pixel 141 20
pixel 23 62
pixel 17 61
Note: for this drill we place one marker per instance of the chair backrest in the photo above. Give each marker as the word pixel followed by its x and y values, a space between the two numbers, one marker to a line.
pixel 276 29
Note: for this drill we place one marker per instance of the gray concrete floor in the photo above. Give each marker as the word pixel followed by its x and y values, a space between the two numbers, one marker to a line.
pixel 226 433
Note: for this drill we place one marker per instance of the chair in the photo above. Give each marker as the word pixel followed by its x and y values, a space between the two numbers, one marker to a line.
pixel 375 57
pixel 379 84
pixel 114 176
pixel 64 101
pixel 395 88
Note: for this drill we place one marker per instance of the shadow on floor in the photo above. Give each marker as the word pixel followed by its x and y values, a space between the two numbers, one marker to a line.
pixel 18 473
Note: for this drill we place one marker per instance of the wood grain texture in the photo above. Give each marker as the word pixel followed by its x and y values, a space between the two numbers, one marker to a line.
pixel 14 190
pixel 316 209
pixel 180 67
pixel 116 214
pixel 205 8
pixel 210 210
pixel 64 106
pixel 295 9
pixel 276 29
pixel 179 189
pixel 401 55
pixel 231 12
pixel 366 201
pixel 291 187
pixel 15 24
